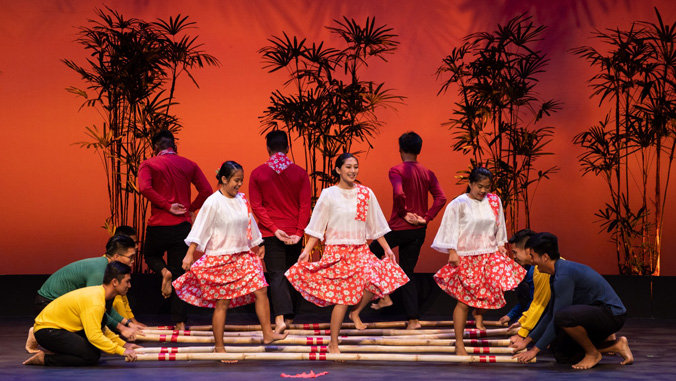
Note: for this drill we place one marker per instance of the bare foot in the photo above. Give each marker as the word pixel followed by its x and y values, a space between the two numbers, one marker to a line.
pixel 222 350
pixel 31 343
pixel 37 359
pixel 621 347
pixel 460 351
pixel 166 284
pixel 280 324
pixel 358 324
pixel 179 327
pixel 589 361
pixel 612 339
pixel 273 337
pixel 333 348
pixel 413 324
pixel 385 301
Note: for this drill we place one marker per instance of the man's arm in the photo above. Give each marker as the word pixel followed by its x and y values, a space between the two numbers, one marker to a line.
pixel 203 187
pixel 563 291
pixel 91 323
pixel 398 195
pixel 256 200
pixel 145 186
pixel 438 197
pixel 541 297
pixel 305 204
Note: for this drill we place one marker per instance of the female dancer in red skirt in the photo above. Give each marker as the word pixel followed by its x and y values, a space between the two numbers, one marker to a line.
pixel 229 274
pixel 348 274
pixel 479 271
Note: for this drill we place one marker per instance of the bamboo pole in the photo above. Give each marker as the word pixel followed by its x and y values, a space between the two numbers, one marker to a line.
pixel 346 325
pixel 325 357
pixel 319 340
pixel 325 349
pixel 423 333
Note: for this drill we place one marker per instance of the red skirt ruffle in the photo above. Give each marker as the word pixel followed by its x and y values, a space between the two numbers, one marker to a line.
pixel 342 275
pixel 480 281
pixel 217 277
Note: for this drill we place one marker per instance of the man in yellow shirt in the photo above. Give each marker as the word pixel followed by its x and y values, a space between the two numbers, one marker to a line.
pixel 73 326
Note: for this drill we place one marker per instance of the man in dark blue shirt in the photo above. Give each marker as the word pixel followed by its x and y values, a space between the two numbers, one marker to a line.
pixel 584 312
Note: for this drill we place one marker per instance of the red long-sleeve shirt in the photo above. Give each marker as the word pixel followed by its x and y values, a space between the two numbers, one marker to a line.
pixel 280 201
pixel 411 182
pixel 165 180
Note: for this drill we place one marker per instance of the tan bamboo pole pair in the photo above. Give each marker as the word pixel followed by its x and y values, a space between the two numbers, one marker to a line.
pixel 325 349
pixel 325 357
pixel 319 340
pixel 346 325
pixel 427 333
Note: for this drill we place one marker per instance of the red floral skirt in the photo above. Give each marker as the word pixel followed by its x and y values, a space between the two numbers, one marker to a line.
pixel 480 280
pixel 217 277
pixel 342 275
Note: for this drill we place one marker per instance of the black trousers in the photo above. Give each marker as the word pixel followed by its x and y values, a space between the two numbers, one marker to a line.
pixel 169 239
pixel 278 258
pixel 409 243
pixel 70 348
pixel 597 320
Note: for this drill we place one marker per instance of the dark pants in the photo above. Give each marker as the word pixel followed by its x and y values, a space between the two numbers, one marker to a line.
pixel 40 303
pixel 169 239
pixel 597 320
pixel 409 243
pixel 70 348
pixel 278 258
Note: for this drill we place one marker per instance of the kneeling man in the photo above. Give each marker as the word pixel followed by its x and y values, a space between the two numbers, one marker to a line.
pixel 584 312
pixel 72 327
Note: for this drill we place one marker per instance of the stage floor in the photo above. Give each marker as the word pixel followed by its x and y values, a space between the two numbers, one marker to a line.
pixel 653 342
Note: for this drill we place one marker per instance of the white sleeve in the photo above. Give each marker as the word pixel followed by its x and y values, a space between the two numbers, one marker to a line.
pixel 501 228
pixel 320 217
pixel 447 235
pixel 376 223
pixel 256 236
pixel 202 228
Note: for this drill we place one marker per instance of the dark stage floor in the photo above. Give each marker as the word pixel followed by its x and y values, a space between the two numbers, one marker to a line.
pixel 653 342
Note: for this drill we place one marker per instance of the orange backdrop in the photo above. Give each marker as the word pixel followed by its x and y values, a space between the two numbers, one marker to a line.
pixel 54 192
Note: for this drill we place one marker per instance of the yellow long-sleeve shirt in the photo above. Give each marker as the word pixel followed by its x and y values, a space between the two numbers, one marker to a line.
pixel 121 305
pixel 78 310
pixel 541 295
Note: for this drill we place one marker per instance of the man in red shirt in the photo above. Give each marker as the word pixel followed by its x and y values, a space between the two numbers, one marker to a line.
pixel 411 182
pixel 280 196
pixel 165 181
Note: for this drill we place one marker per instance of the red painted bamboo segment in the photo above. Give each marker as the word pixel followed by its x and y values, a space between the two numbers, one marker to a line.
pixel 325 356
pixel 470 333
pixel 324 349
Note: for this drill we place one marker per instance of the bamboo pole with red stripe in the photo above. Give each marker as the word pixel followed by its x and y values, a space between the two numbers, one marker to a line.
pixel 321 340
pixel 325 349
pixel 346 325
pixel 325 357
pixel 424 333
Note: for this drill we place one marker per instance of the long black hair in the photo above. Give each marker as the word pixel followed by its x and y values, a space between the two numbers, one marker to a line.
pixel 228 169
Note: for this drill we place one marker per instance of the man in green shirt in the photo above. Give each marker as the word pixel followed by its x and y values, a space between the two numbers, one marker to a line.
pixel 85 273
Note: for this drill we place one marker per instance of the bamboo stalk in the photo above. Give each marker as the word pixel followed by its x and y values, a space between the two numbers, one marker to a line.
pixel 325 349
pixel 423 333
pixel 346 325
pixel 325 357
pixel 319 340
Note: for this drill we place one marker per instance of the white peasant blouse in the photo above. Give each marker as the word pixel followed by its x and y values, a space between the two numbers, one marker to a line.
pixel 470 227
pixel 334 217
pixel 221 226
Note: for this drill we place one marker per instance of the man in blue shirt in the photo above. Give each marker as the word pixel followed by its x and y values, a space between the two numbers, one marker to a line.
pixel 584 312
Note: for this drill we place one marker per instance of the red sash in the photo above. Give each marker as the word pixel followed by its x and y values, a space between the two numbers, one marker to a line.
pixel 362 202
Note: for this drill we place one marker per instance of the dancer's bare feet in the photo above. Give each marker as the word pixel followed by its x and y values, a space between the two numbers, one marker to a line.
pixel 280 324
pixel 37 359
pixel 621 347
pixel 272 337
pixel 179 327
pixel 478 320
pixel 589 361
pixel 222 350
pixel 31 343
pixel 385 301
pixel 333 348
pixel 166 283
pixel 413 324
pixel 358 324
pixel 460 351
